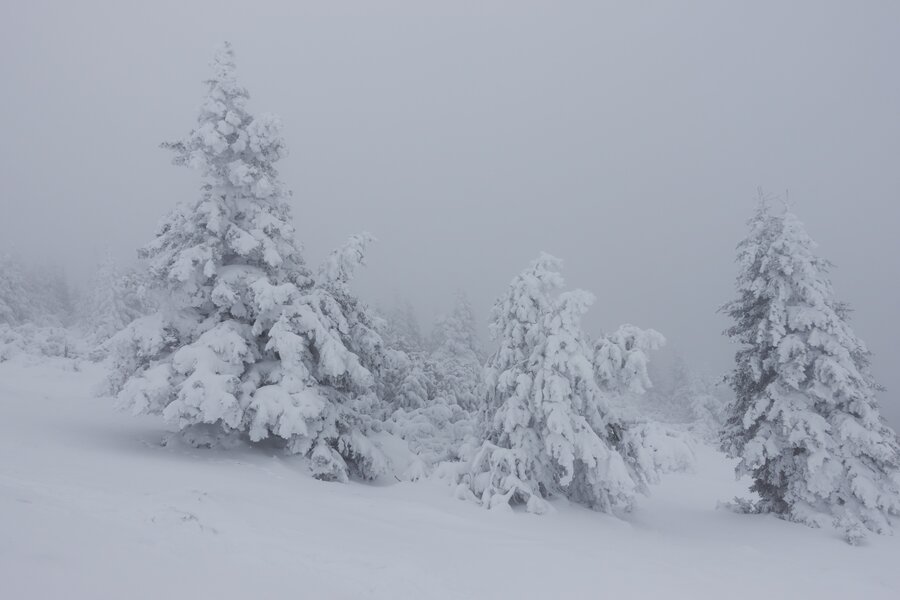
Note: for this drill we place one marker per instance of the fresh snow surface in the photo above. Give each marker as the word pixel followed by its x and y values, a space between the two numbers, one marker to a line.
pixel 92 506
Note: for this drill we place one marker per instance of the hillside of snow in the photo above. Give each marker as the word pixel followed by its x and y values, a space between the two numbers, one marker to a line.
pixel 93 506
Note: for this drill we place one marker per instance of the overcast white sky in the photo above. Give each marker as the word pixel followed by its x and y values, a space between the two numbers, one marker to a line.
pixel 627 138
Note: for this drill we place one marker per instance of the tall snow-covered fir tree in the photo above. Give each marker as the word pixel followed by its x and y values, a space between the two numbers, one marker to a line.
pixel 547 427
pixel 805 422
pixel 250 343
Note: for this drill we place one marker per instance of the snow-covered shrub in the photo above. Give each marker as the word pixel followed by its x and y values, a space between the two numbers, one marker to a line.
pixel 547 430
pixel 658 449
pixel 413 392
pixel 621 367
pixel 431 394
pixel 40 341
pixel 435 432
pixel 621 359
pixel 429 419
pixel 805 422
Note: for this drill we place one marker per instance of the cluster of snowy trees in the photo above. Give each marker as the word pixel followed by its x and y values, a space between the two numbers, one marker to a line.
pixel 227 333
pixel 252 343
pixel 36 306
pixel 41 314
pixel 433 383
pixel 30 294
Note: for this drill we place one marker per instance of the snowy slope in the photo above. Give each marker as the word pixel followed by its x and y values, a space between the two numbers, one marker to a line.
pixel 91 506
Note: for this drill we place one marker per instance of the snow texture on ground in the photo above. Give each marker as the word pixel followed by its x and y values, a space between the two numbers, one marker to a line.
pixel 92 506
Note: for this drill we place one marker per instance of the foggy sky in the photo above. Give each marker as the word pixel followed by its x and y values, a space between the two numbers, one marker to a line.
pixel 627 139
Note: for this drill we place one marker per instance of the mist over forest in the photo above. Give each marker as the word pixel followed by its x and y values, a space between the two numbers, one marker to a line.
pixel 628 141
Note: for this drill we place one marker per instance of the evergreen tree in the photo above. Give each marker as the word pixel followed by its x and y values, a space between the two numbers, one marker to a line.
pixel 413 392
pixel 14 304
pixel 693 400
pixel 805 422
pixel 408 375
pixel 456 358
pixel 400 329
pixel 547 427
pixel 113 300
pixel 52 296
pixel 680 398
pixel 250 344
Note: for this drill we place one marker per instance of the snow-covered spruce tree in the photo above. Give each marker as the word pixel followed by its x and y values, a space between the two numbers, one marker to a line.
pixel 680 397
pixel 113 300
pixel 249 344
pixel 456 357
pixel 693 400
pixel 413 390
pixel 400 328
pixel 805 422
pixel 406 383
pixel 547 427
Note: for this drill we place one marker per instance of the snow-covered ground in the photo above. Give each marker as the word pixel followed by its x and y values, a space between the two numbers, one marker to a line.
pixel 92 506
